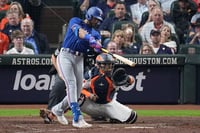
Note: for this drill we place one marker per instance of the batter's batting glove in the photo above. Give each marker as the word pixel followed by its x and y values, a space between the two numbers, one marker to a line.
pixel 93 43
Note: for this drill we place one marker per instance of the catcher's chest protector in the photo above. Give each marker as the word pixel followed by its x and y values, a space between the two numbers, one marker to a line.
pixel 103 87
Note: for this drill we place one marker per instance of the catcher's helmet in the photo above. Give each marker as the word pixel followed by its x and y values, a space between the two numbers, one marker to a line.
pixel 105 59
pixel 105 63
pixel 94 12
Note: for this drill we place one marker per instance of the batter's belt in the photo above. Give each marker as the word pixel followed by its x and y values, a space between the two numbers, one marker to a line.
pixel 77 53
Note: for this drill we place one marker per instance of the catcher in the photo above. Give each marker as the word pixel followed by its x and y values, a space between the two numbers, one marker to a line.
pixel 98 97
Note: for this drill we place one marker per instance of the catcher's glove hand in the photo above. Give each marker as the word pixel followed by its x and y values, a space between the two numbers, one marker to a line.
pixel 120 77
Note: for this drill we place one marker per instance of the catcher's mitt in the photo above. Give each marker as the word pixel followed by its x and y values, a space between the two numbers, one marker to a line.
pixel 120 77
pixel 47 115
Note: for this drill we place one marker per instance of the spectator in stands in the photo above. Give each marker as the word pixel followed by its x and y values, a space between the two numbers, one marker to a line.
pixel 194 18
pixel 119 38
pixel 84 5
pixel 166 5
pixel 196 15
pixel 166 40
pixel 17 7
pixel 38 40
pixel 157 23
pixel 4 5
pixel 131 46
pixel 106 6
pixel 14 7
pixel 137 10
pixel 146 49
pixel 158 48
pixel 3 8
pixel 17 38
pixel 129 2
pixel 112 47
pixel 34 9
pixel 120 15
pixel 198 5
pixel 81 6
pixel 4 42
pixel 13 23
pixel 194 34
pixel 147 15
pixel 182 12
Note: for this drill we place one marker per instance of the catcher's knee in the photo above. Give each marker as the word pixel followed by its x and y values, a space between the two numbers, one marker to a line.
pixel 133 118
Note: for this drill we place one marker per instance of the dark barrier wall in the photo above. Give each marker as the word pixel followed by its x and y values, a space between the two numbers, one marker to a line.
pixel 198 85
pixel 191 87
pixel 25 79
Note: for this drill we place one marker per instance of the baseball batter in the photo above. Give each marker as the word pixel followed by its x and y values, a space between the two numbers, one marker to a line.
pixel 100 91
pixel 80 36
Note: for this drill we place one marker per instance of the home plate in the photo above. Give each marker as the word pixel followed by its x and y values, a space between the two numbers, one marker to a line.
pixel 139 127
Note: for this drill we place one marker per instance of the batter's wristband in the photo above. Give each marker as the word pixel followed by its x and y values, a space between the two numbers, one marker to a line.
pixel 87 37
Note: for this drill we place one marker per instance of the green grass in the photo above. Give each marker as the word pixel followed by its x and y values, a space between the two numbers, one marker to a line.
pixel 35 112
pixel 169 112
pixel 20 112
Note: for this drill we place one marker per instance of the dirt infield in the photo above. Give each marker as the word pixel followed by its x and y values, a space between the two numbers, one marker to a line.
pixel 143 124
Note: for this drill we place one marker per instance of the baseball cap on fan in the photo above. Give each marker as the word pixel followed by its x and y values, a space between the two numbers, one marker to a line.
pixel 155 32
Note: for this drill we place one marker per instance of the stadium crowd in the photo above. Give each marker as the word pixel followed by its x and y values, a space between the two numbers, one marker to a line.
pixel 128 24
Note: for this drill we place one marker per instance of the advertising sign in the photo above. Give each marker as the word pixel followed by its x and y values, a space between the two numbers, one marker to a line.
pixel 152 85
pixel 26 79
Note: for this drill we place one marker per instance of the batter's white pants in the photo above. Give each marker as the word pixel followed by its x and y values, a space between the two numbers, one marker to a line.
pixel 70 69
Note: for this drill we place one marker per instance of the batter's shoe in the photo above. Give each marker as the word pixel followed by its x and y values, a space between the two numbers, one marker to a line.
pixel 61 118
pixel 81 123
pixel 46 115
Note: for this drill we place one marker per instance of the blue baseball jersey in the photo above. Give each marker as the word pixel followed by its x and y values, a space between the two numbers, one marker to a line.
pixel 73 42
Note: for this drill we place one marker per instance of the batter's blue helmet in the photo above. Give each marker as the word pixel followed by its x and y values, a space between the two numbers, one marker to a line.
pixel 94 12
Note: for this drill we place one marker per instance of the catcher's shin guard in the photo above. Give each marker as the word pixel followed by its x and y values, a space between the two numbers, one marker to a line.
pixel 133 118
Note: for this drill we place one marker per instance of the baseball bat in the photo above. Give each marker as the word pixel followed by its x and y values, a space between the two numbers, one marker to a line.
pixel 121 58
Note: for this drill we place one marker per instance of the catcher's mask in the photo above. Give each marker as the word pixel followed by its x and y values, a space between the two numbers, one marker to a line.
pixel 105 62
